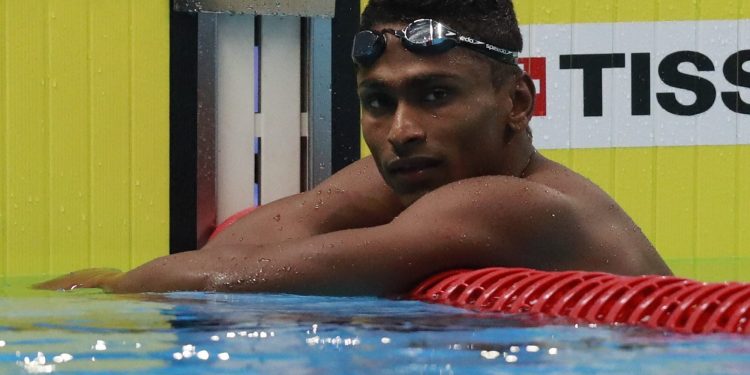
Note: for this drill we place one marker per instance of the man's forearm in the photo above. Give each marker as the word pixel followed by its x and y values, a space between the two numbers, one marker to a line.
pixel 275 222
pixel 183 271
pixel 289 268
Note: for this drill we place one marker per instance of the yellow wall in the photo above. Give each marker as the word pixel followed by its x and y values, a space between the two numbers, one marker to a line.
pixel 84 142
pixel 693 202
pixel 84 134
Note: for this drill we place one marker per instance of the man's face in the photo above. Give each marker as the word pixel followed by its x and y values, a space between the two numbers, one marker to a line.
pixel 430 120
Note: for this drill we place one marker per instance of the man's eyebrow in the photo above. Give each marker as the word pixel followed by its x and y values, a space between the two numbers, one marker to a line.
pixel 373 83
pixel 416 80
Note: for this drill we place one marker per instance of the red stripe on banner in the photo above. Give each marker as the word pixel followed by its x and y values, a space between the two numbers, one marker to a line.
pixel 536 68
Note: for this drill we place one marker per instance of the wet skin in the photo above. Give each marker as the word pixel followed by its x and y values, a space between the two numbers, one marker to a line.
pixel 454 182
pixel 430 120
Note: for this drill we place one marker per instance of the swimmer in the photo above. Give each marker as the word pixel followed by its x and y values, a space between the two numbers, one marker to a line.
pixel 454 181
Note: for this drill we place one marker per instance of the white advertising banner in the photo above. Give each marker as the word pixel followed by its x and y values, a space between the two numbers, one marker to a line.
pixel 640 84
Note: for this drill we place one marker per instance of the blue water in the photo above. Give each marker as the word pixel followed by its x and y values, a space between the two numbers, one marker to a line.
pixel 207 333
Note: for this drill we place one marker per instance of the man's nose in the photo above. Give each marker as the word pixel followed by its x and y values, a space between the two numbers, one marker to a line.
pixel 406 130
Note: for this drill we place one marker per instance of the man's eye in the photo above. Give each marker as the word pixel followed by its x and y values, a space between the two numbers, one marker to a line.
pixel 437 95
pixel 376 102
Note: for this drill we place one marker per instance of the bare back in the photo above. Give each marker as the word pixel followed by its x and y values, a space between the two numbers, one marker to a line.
pixel 605 229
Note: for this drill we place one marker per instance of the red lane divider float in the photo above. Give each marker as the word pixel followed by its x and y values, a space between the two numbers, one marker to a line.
pixel 673 303
pixel 231 220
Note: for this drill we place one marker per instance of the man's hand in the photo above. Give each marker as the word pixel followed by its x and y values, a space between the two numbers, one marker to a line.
pixel 89 278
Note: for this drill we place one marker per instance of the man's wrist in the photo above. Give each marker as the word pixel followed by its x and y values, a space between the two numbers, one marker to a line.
pixel 112 281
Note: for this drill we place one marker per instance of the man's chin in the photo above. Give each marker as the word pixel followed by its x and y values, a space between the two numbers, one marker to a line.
pixel 410 193
pixel 407 198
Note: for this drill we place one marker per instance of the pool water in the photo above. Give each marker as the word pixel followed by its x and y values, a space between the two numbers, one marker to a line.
pixel 197 333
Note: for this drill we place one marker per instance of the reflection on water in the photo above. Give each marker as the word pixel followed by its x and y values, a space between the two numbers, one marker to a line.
pixel 181 333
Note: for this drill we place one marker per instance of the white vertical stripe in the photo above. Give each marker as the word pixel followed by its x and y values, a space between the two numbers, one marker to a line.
pixel 235 117
pixel 280 107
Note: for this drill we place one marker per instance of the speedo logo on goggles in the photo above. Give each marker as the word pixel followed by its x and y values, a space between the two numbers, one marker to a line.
pixel 423 36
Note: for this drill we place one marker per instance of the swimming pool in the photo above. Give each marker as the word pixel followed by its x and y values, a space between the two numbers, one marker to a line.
pixel 193 333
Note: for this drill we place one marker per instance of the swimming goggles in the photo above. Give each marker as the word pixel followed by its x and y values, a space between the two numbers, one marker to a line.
pixel 423 36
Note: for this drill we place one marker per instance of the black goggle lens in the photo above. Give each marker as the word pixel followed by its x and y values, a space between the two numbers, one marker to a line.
pixel 368 47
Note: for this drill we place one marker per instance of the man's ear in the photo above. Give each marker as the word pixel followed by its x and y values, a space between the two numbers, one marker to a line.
pixel 523 94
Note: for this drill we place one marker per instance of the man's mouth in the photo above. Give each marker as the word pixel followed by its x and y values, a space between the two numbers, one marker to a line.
pixel 411 165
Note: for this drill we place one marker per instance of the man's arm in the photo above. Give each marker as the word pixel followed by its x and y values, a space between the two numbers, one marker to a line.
pixel 489 221
pixel 355 197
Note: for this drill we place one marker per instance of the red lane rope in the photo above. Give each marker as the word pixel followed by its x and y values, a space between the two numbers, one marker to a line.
pixel 667 302
pixel 230 220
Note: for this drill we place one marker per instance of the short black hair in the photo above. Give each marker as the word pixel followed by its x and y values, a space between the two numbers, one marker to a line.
pixel 491 21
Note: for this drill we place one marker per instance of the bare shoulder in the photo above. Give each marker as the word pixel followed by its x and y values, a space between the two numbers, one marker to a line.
pixel 554 219
pixel 610 240
pixel 500 220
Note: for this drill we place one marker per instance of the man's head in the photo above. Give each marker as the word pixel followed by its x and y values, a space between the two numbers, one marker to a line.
pixel 432 117
pixel 490 21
